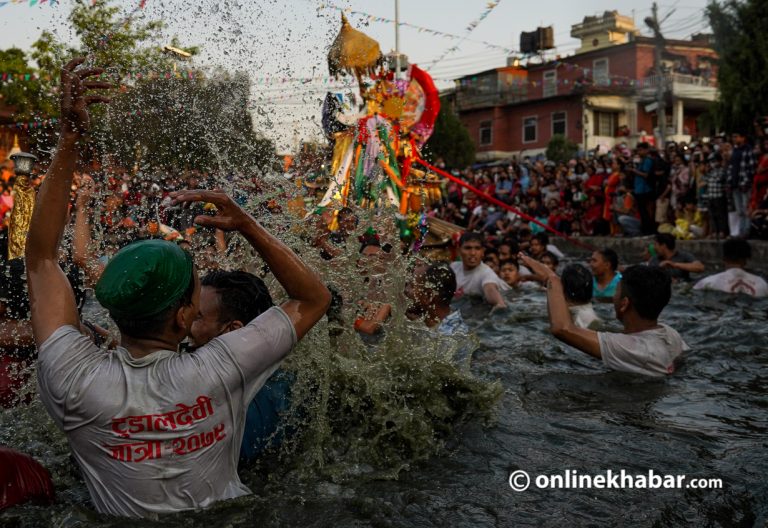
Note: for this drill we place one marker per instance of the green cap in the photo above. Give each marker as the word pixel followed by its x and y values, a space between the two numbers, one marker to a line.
pixel 144 278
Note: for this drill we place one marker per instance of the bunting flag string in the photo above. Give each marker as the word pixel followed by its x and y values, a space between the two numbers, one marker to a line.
pixel 306 83
pixel 421 29
pixel 490 6
pixel 30 3
pixel 39 123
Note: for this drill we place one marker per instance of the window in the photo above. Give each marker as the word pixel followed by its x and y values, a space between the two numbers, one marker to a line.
pixel 559 123
pixel 486 132
pixel 600 74
pixel 606 123
pixel 530 126
pixel 550 83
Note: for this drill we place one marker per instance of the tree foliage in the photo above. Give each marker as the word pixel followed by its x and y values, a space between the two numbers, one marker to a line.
pixel 164 118
pixel 177 122
pixel 451 141
pixel 740 30
pixel 561 149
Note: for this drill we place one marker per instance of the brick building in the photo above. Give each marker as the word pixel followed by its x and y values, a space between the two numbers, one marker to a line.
pixel 602 95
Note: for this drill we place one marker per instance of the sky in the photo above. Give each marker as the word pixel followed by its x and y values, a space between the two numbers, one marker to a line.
pixel 286 41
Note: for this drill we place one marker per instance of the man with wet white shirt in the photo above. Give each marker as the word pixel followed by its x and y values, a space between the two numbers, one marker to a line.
pixel 646 346
pixel 735 279
pixel 473 277
pixel 153 431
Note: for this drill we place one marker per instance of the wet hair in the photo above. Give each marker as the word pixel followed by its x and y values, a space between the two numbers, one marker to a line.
pixel 348 212
pixel 543 238
pixel 736 250
pixel 442 280
pixel 666 239
pixel 577 283
pixel 552 257
pixel 155 324
pixel 611 256
pixel 471 236
pixel 242 296
pixel 648 288
pixel 511 262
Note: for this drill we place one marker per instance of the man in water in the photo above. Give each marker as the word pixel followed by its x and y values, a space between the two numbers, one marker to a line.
pixel 646 347
pixel 473 276
pixel 153 431
pixel 431 290
pixel 577 285
pixel 680 264
pixel 736 253
pixel 228 301
pixel 605 269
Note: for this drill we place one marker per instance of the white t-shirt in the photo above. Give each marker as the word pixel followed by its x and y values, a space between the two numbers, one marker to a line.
pixel 471 282
pixel 584 316
pixel 651 352
pixel 734 280
pixel 161 433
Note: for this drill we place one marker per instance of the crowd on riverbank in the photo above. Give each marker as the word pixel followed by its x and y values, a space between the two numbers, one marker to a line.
pixel 709 189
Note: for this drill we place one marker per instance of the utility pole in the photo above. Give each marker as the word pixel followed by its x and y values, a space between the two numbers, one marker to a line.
pixel 655 25
pixel 397 39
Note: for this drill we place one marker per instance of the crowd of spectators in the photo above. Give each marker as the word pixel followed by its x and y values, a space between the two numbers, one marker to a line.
pixel 716 190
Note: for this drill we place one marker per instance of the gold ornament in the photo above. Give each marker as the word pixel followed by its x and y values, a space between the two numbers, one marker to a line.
pixel 21 216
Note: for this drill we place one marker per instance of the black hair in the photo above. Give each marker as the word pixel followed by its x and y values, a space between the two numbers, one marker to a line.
pixel 666 239
pixel 552 256
pixel 242 296
pixel 736 250
pixel 643 145
pixel 511 262
pixel 442 279
pixel 577 283
pixel 541 237
pixel 155 324
pixel 513 245
pixel 648 288
pixel 471 236
pixel 611 256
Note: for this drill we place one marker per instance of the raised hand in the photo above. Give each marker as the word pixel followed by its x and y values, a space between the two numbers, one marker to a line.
pixel 229 215
pixel 75 98
pixel 536 267
pixel 85 189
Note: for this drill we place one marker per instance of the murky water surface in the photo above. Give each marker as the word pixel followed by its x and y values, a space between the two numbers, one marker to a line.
pixel 560 410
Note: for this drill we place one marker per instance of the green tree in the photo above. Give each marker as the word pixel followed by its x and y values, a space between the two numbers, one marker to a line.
pixel 561 149
pixel 450 141
pixel 163 118
pixel 740 29
pixel 177 122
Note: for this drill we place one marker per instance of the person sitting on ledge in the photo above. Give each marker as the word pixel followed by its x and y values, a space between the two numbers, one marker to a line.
pixel 646 346
pixel 153 431
pixel 736 253
pixel 680 264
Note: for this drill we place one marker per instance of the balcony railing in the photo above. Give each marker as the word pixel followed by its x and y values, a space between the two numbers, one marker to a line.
pixel 678 78
pixel 469 99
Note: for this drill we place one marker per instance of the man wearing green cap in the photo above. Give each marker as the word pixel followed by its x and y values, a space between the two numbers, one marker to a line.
pixel 153 430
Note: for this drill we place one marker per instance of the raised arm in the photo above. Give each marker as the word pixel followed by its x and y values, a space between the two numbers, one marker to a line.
pixel 82 241
pixel 308 297
pixel 51 299
pixel 560 322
